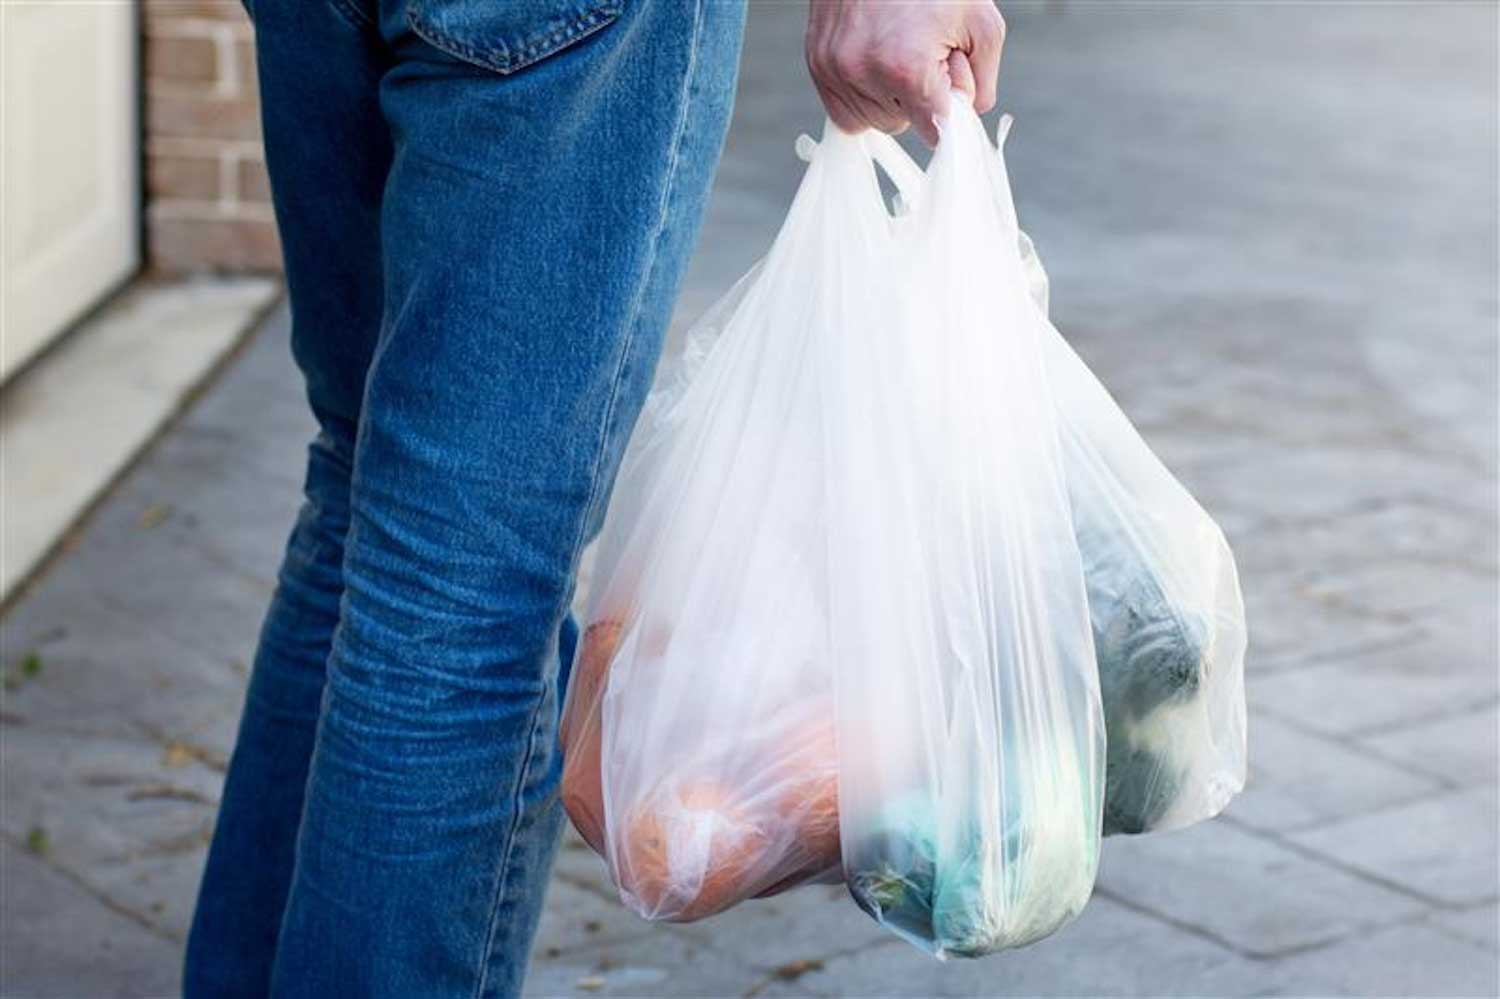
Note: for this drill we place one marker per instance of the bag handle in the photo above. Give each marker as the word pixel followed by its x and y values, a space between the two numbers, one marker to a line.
pixel 879 148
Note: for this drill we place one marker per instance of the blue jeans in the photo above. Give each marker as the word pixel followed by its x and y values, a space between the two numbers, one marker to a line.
pixel 485 207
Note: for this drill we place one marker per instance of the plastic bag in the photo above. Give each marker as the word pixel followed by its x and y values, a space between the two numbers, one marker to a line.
pixel 699 731
pixel 970 733
pixel 1164 597
pixel 839 625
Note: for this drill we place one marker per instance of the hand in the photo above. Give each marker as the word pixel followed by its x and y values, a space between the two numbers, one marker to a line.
pixel 888 64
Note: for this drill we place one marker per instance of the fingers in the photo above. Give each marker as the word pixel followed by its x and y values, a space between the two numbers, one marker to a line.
pixel 837 68
pixel 986 39
pixel 880 65
pixel 960 73
pixel 925 114
pixel 882 113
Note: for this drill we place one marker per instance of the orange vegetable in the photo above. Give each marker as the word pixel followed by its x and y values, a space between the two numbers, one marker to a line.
pixel 697 848
pixel 662 861
pixel 582 729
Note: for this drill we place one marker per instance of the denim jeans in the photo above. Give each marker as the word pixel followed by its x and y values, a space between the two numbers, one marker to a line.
pixel 485 208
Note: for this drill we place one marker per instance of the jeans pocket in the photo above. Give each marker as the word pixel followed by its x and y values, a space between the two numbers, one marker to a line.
pixel 508 35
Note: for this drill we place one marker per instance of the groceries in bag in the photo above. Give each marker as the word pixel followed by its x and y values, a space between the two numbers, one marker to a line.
pixel 866 573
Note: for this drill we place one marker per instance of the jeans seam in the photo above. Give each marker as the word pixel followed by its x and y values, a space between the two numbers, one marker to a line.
pixel 502 874
pixel 352 14
pixel 679 131
pixel 506 61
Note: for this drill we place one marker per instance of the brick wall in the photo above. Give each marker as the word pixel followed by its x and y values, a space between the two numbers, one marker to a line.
pixel 207 203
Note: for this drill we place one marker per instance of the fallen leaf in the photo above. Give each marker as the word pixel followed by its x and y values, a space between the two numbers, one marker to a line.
pixel 154 515
pixel 29 668
pixel 793 970
pixel 168 792
pixel 177 754
pixel 37 841
pixel 180 754
pixel 591 983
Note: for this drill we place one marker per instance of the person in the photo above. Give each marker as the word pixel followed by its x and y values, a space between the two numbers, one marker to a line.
pixel 485 210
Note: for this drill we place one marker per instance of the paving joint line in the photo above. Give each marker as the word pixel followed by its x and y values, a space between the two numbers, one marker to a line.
pixel 1308 853
pixel 1172 921
pixel 98 895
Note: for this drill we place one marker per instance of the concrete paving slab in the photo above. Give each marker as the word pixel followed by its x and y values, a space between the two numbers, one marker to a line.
pixel 1480 925
pixel 1250 892
pixel 1401 528
pixel 1298 780
pixel 126 818
pixel 59 942
pixel 1399 961
pixel 582 917
pixel 78 664
pixel 582 866
pixel 663 963
pixel 1290 628
pixel 812 926
pixel 1442 848
pixel 198 491
pixel 218 617
pixel 1460 749
pixel 1127 954
pixel 1445 674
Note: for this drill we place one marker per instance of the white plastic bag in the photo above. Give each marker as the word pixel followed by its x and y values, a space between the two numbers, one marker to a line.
pixel 970 735
pixel 840 623
pixel 1164 596
pixel 699 729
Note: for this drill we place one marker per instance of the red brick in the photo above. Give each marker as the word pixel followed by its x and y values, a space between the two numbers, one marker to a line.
pixel 188 178
pixel 244 55
pixel 254 185
pixel 187 116
pixel 166 11
pixel 197 245
pixel 181 60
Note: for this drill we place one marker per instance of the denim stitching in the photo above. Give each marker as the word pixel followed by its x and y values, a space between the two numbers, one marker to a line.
pixel 351 13
pixel 678 133
pixel 503 874
pixel 595 488
pixel 503 60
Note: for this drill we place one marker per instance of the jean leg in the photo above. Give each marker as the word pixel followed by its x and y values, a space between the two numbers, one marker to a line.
pixel 328 151
pixel 231 946
pixel 535 229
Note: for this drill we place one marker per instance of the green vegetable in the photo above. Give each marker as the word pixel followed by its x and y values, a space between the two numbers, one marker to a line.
pixel 1151 659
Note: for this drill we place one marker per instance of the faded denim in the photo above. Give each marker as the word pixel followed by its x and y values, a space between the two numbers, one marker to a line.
pixel 485 207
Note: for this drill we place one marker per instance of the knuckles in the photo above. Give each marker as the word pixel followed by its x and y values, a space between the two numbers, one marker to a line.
pixel 848 62
pixel 901 71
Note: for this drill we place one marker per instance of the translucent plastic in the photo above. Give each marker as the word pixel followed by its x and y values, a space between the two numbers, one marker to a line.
pixel 1164 596
pixel 971 738
pixel 859 555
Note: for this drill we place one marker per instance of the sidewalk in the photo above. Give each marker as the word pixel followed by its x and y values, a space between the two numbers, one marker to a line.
pixel 1271 231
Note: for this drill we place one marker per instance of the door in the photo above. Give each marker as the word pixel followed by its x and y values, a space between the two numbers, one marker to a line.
pixel 70 213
